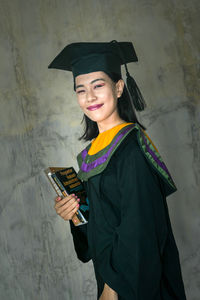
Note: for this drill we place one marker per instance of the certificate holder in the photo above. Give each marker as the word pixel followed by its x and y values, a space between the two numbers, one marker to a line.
pixel 66 182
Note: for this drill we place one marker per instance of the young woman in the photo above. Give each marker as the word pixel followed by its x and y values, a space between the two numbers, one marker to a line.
pixel 128 235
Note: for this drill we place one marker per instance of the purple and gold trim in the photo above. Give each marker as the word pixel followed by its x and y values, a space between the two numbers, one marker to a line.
pixel 91 165
pixel 87 167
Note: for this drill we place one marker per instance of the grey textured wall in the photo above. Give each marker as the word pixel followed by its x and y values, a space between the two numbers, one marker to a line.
pixel 40 124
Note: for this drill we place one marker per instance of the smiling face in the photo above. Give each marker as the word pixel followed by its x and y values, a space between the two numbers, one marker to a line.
pixel 97 96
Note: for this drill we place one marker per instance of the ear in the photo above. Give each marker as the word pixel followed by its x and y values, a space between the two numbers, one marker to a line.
pixel 119 88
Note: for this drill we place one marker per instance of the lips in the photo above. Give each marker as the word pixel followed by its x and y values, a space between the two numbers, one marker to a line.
pixel 94 107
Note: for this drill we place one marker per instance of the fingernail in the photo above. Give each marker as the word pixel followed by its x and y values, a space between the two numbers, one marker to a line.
pixel 73 194
pixel 78 200
pixel 77 205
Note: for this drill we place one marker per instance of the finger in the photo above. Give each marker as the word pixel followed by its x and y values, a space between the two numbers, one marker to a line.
pixel 67 207
pixel 70 210
pixel 58 198
pixel 64 200
pixel 70 215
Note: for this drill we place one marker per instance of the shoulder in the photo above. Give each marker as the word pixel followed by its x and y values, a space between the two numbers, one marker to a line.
pixel 137 155
pixel 128 158
pixel 129 147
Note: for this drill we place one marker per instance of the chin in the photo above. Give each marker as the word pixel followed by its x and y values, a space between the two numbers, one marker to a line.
pixel 96 118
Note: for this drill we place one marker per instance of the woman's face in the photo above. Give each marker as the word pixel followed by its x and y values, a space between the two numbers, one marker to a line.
pixel 97 96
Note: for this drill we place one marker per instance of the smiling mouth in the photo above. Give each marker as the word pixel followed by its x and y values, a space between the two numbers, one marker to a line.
pixel 94 107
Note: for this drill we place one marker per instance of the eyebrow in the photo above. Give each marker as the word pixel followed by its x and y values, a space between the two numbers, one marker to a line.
pixel 81 85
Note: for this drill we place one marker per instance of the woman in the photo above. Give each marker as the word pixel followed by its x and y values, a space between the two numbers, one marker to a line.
pixel 128 235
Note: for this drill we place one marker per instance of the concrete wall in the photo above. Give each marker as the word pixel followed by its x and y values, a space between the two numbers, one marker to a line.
pixel 40 122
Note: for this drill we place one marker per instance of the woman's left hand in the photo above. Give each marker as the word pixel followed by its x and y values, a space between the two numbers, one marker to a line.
pixel 108 294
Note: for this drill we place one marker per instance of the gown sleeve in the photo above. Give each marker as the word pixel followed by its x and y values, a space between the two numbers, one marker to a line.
pixel 132 265
pixel 79 234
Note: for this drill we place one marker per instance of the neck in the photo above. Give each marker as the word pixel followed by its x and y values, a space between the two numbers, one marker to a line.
pixel 103 126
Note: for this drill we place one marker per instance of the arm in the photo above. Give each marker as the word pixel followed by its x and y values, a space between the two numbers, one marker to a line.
pixel 66 208
pixel 79 234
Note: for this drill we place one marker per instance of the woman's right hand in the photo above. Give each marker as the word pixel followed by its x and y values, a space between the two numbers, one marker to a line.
pixel 66 207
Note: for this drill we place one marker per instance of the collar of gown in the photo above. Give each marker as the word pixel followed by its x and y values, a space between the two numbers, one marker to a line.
pixel 105 138
pixel 93 164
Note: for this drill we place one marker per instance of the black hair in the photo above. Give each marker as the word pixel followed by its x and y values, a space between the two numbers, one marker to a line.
pixel 125 111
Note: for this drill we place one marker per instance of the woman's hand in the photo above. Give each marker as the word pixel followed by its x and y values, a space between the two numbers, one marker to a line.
pixel 108 294
pixel 66 207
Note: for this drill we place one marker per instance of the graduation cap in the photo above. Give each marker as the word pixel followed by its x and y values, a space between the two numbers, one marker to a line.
pixel 82 58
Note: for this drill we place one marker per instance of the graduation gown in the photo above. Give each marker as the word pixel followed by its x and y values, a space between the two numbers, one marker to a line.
pixel 129 236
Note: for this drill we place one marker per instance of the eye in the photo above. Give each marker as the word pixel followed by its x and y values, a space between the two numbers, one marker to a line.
pixel 99 85
pixel 80 91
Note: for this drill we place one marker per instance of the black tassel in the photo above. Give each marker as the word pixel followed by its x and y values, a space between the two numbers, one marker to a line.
pixel 136 98
pixel 134 92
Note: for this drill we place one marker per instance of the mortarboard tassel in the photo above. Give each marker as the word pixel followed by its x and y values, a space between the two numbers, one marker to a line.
pixel 135 95
pixel 134 92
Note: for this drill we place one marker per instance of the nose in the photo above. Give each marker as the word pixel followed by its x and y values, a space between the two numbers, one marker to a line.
pixel 91 95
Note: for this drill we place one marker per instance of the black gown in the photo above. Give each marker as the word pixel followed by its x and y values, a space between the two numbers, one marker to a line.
pixel 129 236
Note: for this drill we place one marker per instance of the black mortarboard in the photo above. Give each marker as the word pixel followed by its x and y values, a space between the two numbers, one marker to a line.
pixel 83 58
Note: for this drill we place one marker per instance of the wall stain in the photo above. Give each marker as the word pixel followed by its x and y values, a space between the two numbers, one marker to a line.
pixel 54 272
pixel 186 25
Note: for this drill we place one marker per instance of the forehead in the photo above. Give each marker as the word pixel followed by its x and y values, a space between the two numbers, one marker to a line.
pixel 88 78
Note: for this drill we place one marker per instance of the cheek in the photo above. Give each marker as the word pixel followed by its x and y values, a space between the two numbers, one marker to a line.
pixel 111 99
